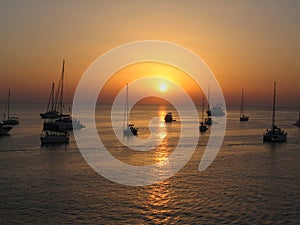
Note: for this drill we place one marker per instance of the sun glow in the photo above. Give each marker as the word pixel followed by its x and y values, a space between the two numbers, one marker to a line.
pixel 163 87
pixel 170 75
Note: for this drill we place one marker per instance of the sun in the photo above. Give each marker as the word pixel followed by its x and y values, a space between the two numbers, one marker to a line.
pixel 163 87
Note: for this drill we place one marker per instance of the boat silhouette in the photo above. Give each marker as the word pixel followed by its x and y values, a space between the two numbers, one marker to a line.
pixel 50 132
pixel 275 134
pixel 243 118
pixel 7 119
pixel 128 128
pixel 62 122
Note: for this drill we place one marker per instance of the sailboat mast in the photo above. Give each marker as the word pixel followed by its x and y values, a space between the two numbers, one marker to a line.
pixel 202 109
pixel 274 102
pixel 52 98
pixel 8 105
pixel 208 98
pixel 126 108
pixel 242 104
pixel 62 88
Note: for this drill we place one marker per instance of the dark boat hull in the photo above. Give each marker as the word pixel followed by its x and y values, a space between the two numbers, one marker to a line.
pixel 244 118
pixel 54 139
pixel 202 128
pixel 169 118
pixel 52 115
pixel 11 122
pixel 275 135
pixel 297 123
pixel 4 130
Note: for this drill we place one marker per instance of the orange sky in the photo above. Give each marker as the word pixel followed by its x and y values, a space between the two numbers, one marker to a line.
pixel 139 70
pixel 247 44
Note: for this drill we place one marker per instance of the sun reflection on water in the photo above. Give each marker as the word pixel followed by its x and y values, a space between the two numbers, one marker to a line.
pixel 158 202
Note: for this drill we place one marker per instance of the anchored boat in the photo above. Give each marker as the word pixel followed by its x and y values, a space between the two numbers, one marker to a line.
pixel 275 134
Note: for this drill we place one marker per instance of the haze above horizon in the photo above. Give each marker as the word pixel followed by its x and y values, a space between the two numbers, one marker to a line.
pixel 247 44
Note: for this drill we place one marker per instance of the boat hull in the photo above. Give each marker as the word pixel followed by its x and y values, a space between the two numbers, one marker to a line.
pixel 297 123
pixel 4 130
pixel 63 124
pixel 11 122
pixel 54 139
pixel 169 118
pixel 68 123
pixel 202 128
pixel 275 136
pixel 52 115
pixel 244 118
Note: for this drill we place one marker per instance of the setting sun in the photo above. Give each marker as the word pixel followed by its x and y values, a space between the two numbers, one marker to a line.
pixel 163 88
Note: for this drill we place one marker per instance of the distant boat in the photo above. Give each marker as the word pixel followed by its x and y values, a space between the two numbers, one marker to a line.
pixel 7 119
pixel 298 121
pixel 128 128
pixel 202 127
pixel 4 129
pixel 63 122
pixel 169 118
pixel 275 134
pixel 217 110
pixel 50 132
pixel 243 118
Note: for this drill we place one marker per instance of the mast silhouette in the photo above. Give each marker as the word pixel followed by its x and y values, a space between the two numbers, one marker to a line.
pixel 8 103
pixel 243 118
pixel 242 105
pixel 274 105
pixel 125 123
pixel 62 88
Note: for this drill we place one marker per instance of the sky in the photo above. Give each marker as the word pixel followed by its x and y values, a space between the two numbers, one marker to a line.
pixel 247 44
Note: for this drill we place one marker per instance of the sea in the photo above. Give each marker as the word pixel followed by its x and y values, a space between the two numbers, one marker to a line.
pixel 249 182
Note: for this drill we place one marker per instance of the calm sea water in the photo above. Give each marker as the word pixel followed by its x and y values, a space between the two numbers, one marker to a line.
pixel 248 183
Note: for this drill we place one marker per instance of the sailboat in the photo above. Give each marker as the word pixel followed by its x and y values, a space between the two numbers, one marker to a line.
pixel 56 109
pixel 202 127
pixel 7 119
pixel 63 122
pixel 50 132
pixel 243 118
pixel 128 128
pixel 298 121
pixel 275 134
